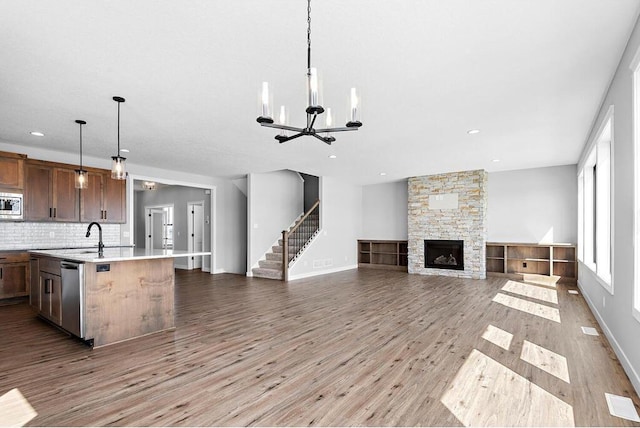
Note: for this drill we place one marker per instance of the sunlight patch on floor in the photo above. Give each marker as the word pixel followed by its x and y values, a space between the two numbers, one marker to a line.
pixel 532 291
pixel 532 308
pixel 498 337
pixel 546 360
pixel 15 410
pixel 590 331
pixel 486 393
pixel 548 280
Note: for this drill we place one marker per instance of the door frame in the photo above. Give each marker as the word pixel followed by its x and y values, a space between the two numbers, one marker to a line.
pixel 190 238
pixel 147 222
pixel 127 229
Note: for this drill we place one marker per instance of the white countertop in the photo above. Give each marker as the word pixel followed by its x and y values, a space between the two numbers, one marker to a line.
pixel 90 255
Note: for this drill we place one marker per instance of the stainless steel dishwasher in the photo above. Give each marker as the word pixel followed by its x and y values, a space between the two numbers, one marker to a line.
pixel 73 297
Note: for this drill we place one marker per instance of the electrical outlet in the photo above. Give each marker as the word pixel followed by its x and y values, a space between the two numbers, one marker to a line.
pixel 52 234
pixel 604 302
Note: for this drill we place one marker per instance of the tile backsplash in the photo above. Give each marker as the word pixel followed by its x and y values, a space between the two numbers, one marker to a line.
pixel 29 236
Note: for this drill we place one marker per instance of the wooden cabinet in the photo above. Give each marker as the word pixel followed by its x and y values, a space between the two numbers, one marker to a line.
pixel 50 290
pixel 383 254
pixel 14 274
pixel 516 260
pixel 91 198
pixel 11 171
pixel 50 193
pixel 114 204
pixel 104 199
pixel 34 289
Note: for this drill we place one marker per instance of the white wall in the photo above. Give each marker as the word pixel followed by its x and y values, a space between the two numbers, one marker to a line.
pixel 275 200
pixel 614 311
pixel 538 205
pixel 335 248
pixel 384 211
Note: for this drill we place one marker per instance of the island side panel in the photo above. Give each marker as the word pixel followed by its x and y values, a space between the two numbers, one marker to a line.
pixel 132 299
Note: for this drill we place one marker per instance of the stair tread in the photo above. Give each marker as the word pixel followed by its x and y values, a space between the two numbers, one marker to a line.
pixel 267 273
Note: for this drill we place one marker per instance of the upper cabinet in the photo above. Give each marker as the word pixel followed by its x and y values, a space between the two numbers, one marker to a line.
pixel 91 198
pixel 11 171
pixel 114 204
pixel 50 193
pixel 104 199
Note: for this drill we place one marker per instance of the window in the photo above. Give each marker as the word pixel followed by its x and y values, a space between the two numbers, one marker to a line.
pixel 595 204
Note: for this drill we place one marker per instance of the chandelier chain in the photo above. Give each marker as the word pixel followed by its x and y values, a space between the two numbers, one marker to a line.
pixel 308 34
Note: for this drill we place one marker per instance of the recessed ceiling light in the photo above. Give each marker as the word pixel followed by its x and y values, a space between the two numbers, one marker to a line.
pixel 37 134
pixel 332 156
pixel 124 150
pixel 495 160
pixel 473 131
pixel 383 173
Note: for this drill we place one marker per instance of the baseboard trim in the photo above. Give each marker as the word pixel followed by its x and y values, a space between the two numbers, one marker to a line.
pixel 626 364
pixel 183 267
pixel 322 272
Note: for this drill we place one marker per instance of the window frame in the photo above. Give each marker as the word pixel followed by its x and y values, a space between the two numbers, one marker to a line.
pixel 595 204
pixel 635 69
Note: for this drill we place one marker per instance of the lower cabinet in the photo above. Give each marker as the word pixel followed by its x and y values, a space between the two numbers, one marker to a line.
pixel 50 286
pixel 14 275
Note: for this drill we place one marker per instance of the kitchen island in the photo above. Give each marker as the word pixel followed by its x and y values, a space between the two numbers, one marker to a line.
pixel 106 298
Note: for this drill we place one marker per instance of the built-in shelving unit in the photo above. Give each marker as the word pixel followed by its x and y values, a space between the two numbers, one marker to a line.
pixel 517 260
pixel 383 254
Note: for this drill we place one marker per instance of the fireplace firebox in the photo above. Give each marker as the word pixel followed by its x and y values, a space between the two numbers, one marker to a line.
pixel 444 254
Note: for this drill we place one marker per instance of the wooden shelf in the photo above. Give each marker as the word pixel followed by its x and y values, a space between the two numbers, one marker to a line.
pixel 517 259
pixel 383 254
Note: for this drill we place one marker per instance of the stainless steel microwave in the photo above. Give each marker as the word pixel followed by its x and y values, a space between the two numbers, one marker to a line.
pixel 11 206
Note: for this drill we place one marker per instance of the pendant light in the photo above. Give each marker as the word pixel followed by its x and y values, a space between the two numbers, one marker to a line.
pixel 118 167
pixel 81 174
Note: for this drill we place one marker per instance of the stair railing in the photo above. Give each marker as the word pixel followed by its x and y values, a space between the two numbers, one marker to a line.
pixel 298 236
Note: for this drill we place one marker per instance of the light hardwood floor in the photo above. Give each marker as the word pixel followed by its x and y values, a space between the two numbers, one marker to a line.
pixel 363 347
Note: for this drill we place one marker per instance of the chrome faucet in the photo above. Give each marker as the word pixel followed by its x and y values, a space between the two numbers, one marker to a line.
pixel 100 243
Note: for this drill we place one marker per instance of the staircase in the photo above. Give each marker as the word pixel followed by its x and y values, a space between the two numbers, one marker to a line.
pixel 298 237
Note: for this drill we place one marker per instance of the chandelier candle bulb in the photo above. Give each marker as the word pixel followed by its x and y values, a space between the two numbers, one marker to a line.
pixel 329 119
pixel 282 120
pixel 265 99
pixel 353 120
pixel 313 87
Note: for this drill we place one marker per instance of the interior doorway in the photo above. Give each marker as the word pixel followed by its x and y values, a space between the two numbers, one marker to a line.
pixel 159 227
pixel 195 232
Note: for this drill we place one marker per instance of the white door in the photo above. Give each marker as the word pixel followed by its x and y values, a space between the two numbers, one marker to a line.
pixel 159 227
pixel 156 219
pixel 195 230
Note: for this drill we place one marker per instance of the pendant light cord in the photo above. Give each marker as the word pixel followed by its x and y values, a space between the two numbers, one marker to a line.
pixel 80 147
pixel 308 34
pixel 118 154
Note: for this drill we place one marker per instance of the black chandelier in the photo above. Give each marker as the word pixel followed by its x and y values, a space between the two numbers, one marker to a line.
pixel 314 108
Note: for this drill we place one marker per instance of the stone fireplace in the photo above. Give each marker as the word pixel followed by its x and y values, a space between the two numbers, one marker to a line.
pixel 450 208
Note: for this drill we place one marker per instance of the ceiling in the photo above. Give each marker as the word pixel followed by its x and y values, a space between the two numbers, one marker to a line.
pixel 529 74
